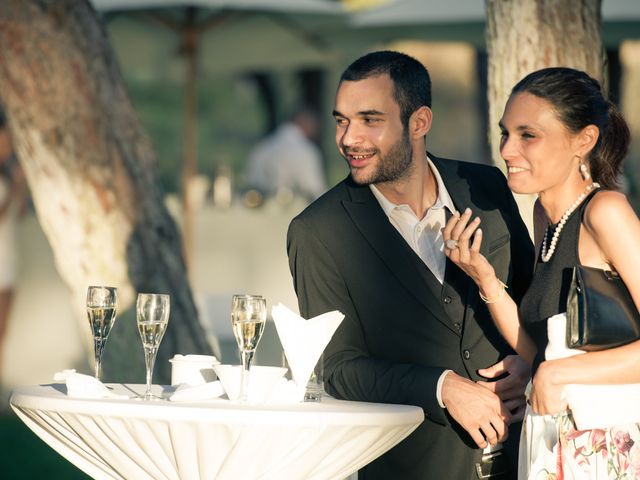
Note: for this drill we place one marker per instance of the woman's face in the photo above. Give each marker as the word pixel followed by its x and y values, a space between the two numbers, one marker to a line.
pixel 539 151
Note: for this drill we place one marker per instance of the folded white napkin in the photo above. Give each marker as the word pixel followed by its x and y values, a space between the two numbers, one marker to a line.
pixel 602 406
pixel 84 386
pixel 304 340
pixel 206 391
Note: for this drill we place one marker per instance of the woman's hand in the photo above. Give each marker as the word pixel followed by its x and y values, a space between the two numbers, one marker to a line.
pixel 547 394
pixel 466 254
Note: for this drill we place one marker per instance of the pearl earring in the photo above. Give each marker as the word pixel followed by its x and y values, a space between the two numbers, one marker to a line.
pixel 584 171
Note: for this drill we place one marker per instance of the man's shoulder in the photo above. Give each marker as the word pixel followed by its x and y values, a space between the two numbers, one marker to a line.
pixel 327 204
pixel 482 180
pixel 463 168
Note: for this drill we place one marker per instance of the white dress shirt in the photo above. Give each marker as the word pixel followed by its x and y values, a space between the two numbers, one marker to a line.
pixel 424 235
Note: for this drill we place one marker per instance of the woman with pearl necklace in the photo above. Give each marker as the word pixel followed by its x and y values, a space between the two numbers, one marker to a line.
pixel 562 140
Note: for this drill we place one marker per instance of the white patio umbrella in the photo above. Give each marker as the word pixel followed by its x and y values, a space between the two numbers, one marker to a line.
pixel 464 20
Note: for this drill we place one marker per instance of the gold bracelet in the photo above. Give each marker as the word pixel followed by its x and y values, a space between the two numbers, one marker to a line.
pixel 497 297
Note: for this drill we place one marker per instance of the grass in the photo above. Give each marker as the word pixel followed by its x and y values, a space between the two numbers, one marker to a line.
pixel 23 456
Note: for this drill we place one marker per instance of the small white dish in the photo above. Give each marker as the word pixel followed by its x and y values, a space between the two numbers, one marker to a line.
pixel 262 380
pixel 192 369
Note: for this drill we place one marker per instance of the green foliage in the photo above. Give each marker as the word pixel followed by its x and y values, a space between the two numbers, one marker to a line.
pixel 229 123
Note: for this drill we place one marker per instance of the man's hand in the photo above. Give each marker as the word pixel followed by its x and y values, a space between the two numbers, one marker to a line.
pixel 511 388
pixel 478 410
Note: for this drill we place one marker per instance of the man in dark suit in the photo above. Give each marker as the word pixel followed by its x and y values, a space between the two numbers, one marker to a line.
pixel 415 329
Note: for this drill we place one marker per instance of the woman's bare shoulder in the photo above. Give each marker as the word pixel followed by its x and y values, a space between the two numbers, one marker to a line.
pixel 608 212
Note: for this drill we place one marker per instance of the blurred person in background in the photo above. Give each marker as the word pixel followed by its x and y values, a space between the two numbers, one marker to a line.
pixel 11 195
pixel 287 161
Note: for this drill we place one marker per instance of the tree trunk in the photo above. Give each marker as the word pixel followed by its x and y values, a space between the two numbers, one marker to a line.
pixel 527 35
pixel 92 173
pixel 630 100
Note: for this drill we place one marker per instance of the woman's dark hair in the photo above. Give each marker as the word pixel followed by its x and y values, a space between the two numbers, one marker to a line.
pixel 411 81
pixel 578 101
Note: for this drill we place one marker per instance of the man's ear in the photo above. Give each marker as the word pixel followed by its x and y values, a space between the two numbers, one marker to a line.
pixel 420 122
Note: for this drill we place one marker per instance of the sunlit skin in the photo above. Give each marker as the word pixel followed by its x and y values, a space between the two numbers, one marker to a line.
pixel 368 126
pixel 378 148
pixel 542 157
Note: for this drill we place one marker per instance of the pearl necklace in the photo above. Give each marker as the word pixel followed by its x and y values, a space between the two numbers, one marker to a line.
pixel 546 254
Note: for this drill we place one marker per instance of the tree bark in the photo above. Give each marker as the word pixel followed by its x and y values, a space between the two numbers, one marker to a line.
pixel 527 35
pixel 630 101
pixel 92 174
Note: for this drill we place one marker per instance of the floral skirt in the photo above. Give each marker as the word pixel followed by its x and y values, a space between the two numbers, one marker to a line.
pixel 551 448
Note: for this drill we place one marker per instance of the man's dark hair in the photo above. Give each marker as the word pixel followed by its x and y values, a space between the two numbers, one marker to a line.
pixel 411 81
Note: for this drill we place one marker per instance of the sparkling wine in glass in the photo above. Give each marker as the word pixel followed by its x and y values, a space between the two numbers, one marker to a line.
pixel 152 314
pixel 248 316
pixel 101 311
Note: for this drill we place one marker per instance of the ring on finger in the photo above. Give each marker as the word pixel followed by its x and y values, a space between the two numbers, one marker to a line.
pixel 451 244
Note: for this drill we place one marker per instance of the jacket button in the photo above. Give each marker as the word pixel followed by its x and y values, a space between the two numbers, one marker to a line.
pixel 447 300
pixel 457 326
pixel 466 354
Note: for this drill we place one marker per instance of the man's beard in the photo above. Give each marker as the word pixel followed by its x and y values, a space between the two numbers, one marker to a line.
pixel 393 166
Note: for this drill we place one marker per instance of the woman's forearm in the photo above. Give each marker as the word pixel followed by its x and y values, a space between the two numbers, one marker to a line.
pixel 619 365
pixel 504 312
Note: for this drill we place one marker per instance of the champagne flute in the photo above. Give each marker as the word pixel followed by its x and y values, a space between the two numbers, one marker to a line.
pixel 248 316
pixel 101 311
pixel 152 315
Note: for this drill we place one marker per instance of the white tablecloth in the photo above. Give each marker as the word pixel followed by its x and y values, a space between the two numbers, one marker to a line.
pixel 217 439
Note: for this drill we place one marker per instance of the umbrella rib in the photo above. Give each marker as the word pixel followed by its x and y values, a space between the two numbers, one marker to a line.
pixel 309 37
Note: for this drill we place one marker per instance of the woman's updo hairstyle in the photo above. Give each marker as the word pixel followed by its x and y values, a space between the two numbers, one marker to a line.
pixel 578 101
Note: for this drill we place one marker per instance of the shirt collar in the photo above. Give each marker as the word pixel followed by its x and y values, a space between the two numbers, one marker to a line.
pixel 443 200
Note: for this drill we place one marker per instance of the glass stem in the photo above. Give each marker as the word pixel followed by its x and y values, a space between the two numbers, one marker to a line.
pixel 247 357
pixel 149 360
pixel 97 350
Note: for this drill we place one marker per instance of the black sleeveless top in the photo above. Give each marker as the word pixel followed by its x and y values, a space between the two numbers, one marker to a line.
pixel 547 294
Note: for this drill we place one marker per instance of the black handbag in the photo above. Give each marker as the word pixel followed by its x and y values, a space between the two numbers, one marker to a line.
pixel 600 311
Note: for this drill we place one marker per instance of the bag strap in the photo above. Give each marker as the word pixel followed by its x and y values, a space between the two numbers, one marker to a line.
pixel 583 209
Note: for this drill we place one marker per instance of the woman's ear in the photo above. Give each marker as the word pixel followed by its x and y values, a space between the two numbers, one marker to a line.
pixel 420 122
pixel 587 139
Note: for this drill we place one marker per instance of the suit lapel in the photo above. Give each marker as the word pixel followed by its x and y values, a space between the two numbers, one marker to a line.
pixel 406 266
pixel 458 189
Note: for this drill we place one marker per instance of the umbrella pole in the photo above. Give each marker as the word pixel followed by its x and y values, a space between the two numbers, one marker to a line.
pixel 190 146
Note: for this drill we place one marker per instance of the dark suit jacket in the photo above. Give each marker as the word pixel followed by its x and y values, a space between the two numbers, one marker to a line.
pixel 402 328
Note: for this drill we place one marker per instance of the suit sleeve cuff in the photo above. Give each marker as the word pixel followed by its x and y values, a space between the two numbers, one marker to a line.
pixel 439 387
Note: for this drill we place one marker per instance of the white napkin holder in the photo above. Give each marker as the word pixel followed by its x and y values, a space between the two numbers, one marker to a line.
pixel 261 383
pixel 192 370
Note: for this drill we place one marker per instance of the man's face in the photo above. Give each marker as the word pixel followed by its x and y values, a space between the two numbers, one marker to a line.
pixel 369 133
